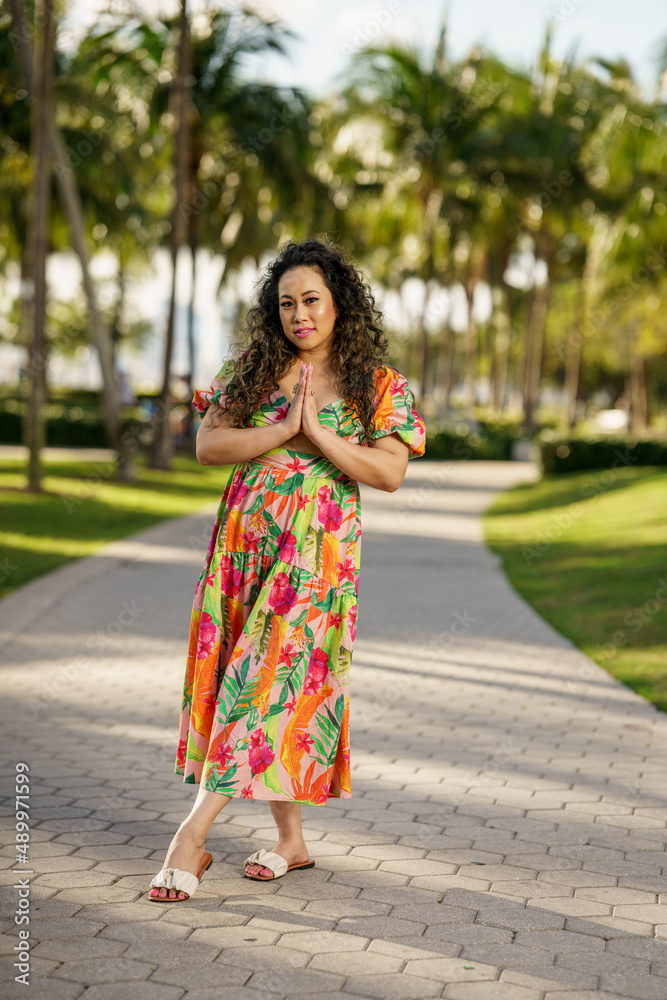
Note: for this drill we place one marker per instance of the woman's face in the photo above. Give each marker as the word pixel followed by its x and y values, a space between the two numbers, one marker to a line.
pixel 307 311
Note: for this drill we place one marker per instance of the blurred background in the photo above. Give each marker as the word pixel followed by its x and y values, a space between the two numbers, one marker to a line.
pixel 502 181
pixel 499 174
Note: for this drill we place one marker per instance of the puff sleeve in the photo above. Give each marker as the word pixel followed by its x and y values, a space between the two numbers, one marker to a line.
pixel 395 412
pixel 203 398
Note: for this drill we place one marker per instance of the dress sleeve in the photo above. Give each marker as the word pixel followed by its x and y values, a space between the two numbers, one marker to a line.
pixel 203 398
pixel 395 413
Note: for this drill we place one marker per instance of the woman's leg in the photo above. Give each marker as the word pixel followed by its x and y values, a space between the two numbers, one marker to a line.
pixel 187 847
pixel 291 846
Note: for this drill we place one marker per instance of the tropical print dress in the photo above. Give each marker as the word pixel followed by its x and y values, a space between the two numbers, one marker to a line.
pixel 266 693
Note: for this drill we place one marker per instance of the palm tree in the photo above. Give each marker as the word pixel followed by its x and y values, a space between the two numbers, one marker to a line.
pixel 71 201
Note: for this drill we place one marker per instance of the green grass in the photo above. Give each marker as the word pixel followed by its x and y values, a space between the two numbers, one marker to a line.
pixel 588 550
pixel 83 508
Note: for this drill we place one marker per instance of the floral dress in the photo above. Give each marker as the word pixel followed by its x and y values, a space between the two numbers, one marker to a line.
pixel 266 693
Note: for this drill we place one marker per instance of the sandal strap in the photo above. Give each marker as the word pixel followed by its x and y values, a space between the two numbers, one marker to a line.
pixel 268 859
pixel 175 878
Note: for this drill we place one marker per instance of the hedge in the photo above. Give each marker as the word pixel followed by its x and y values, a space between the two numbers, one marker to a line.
pixel 571 454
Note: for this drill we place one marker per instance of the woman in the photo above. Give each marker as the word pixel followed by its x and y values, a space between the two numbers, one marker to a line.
pixel 306 413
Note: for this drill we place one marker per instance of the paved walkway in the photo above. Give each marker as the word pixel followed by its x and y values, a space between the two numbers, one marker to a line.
pixel 506 835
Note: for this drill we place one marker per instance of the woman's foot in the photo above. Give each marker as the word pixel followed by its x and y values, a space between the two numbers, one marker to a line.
pixel 185 852
pixel 293 852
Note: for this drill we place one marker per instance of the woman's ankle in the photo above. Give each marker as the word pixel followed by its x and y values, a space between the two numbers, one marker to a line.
pixel 191 831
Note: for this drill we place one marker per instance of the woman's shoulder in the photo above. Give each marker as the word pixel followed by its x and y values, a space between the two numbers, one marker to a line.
pixel 388 379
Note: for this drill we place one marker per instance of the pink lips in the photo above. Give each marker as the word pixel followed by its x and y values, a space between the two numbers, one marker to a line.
pixel 304 332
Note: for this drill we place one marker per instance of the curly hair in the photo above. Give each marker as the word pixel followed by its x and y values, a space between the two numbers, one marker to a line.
pixel 359 344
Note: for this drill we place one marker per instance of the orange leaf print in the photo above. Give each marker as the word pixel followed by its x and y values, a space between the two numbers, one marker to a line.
pixel 306 707
pixel 330 551
pixel 267 674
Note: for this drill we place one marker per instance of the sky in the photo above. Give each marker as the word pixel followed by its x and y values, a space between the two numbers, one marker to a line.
pixel 514 29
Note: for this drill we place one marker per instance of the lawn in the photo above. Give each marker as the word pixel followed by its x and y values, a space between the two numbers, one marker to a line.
pixel 83 508
pixel 588 550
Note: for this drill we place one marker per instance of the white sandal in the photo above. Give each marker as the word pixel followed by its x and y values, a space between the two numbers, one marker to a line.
pixel 176 878
pixel 275 862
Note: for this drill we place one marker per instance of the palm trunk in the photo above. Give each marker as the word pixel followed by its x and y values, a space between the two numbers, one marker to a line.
pixel 38 236
pixel 638 402
pixel 161 448
pixel 432 210
pixel 534 349
pixel 191 331
pixel 574 348
pixel 71 201
pixel 448 364
pixel 501 349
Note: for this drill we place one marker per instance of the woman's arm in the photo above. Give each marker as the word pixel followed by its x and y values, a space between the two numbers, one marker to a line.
pixel 382 466
pixel 218 443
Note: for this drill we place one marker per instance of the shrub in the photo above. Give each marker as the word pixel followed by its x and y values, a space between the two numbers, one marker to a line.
pixel 571 454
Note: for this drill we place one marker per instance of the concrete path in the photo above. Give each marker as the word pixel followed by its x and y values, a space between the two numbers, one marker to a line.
pixel 506 835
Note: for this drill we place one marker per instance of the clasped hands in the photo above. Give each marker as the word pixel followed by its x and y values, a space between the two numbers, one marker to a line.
pixel 302 417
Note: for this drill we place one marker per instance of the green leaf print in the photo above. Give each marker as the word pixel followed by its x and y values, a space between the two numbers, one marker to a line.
pixel 327 745
pixel 234 708
pixel 221 782
pixel 255 627
pixel 310 546
pixel 192 751
pixel 258 504
pixel 342 668
pixel 318 550
pixel 291 484
pixel 270 776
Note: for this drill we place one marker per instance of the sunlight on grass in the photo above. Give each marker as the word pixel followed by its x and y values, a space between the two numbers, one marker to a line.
pixel 589 552
pixel 83 508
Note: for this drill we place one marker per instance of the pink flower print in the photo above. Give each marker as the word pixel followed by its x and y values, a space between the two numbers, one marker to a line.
pixel 304 742
pixel 291 705
pixel 260 758
pixel 250 541
pixel 287 654
pixel 246 793
pixel 336 619
pixel 317 671
pixel 322 797
pixel 208 632
pixel 283 596
pixel 303 501
pixel 231 578
pixel 281 412
pixel 345 570
pixel 352 619
pixel 286 546
pixel 329 513
pixel 180 753
pixel 297 465
pixel 223 754
pixel 324 494
pixel 237 490
pixel 257 738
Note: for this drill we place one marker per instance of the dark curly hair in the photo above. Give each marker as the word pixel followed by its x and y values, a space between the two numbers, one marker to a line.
pixel 359 343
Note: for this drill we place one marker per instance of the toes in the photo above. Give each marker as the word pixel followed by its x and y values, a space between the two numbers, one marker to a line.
pixel 265 871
